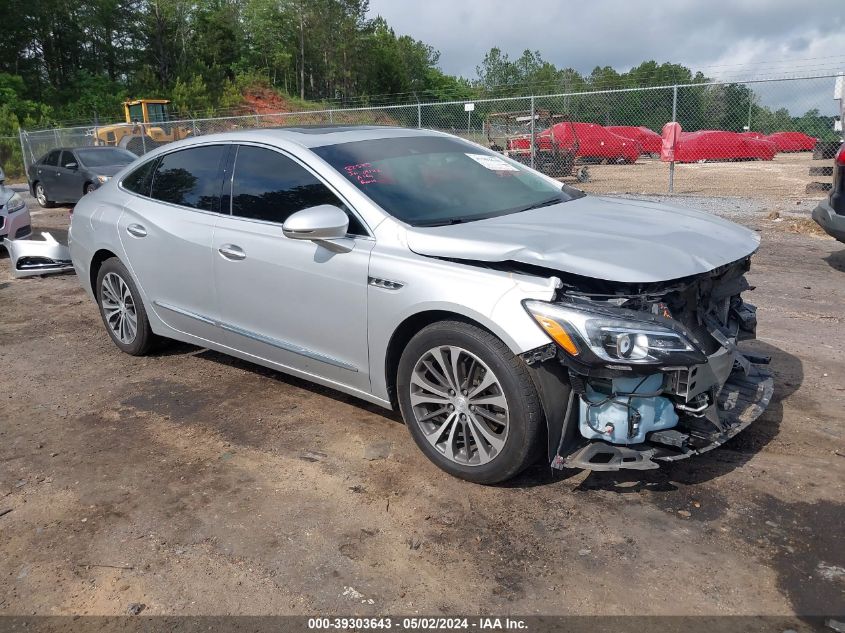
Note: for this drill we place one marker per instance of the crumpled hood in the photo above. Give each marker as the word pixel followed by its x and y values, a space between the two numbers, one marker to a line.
pixel 628 241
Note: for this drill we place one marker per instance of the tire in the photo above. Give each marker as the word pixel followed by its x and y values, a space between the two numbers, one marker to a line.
pixel 507 442
pixel 88 188
pixel 41 196
pixel 117 290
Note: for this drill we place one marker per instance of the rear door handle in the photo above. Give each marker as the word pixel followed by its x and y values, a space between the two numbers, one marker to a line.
pixel 136 230
pixel 232 252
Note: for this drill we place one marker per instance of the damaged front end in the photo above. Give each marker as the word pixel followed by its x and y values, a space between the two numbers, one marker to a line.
pixel 654 369
pixel 38 257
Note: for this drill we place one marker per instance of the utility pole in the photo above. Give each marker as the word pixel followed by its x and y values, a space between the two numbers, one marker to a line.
pixel 302 51
pixel 674 120
pixel 750 103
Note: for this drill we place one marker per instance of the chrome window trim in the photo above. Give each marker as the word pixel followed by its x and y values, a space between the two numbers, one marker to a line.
pixel 284 345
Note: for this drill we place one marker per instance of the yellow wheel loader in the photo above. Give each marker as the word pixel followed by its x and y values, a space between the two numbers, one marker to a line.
pixel 148 125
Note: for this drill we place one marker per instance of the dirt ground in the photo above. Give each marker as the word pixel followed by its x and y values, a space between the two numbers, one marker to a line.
pixel 193 483
pixel 786 176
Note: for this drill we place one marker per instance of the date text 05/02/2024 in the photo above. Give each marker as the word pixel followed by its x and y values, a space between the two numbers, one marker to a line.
pixel 418 623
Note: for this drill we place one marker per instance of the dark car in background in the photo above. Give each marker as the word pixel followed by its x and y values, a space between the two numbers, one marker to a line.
pixel 66 174
pixel 830 214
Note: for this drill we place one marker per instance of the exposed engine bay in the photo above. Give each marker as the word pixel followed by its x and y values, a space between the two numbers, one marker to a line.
pixel 654 369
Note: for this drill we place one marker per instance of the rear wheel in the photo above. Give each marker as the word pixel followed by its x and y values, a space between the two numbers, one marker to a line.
pixel 469 402
pixel 41 196
pixel 122 310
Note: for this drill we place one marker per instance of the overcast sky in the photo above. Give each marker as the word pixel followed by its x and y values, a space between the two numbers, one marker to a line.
pixel 744 39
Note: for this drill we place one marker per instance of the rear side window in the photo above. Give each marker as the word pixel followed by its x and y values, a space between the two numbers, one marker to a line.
pixel 139 181
pixel 190 178
pixel 267 185
pixel 52 159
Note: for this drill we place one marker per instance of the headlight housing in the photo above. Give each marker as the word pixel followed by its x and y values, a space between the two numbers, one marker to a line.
pixel 16 203
pixel 602 337
pixel 103 179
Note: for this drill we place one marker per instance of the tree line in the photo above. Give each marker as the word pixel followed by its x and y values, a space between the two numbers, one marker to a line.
pixel 63 62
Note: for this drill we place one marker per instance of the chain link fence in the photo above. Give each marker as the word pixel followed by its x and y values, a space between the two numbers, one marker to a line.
pixel 753 139
pixel 10 157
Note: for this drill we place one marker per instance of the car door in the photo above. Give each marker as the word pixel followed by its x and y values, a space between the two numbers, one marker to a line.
pixel 292 302
pixel 67 175
pixel 45 173
pixel 167 235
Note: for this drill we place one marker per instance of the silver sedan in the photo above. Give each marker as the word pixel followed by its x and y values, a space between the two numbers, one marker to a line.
pixel 506 315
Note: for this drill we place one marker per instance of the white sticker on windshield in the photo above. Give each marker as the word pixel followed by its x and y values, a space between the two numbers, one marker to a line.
pixel 494 163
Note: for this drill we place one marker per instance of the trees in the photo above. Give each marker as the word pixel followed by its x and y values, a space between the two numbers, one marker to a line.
pixel 83 57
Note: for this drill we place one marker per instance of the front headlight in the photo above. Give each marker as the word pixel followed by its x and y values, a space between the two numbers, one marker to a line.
pixel 103 179
pixel 16 203
pixel 591 336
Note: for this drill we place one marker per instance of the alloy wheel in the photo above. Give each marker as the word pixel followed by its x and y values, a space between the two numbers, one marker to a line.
pixel 41 195
pixel 460 406
pixel 119 308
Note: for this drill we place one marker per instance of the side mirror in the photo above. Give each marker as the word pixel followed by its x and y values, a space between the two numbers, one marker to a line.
pixel 2 176
pixel 323 222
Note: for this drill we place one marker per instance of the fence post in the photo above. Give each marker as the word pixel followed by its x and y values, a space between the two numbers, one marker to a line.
pixel 533 132
pixel 674 118
pixel 23 153
pixel 331 118
pixel 419 115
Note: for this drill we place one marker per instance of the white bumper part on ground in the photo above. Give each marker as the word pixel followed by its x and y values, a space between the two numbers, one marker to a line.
pixel 31 258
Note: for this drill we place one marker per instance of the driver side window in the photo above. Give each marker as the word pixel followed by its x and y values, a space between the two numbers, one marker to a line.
pixel 67 159
pixel 267 185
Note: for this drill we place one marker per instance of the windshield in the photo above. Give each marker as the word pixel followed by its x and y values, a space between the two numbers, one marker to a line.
pixel 430 180
pixel 105 156
pixel 157 112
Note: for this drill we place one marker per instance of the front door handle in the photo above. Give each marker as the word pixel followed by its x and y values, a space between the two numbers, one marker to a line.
pixel 136 230
pixel 232 252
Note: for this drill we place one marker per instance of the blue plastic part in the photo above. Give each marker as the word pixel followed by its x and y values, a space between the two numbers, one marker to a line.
pixel 610 421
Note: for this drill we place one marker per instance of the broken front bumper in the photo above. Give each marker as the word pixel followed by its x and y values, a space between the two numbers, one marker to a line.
pixel 38 257
pixel 742 399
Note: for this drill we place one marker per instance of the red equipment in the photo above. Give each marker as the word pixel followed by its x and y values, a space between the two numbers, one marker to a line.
pixel 720 145
pixel 594 142
pixel 792 141
pixel 650 140
pixel 669 141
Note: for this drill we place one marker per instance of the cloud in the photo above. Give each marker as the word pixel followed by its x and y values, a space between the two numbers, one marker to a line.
pixel 743 39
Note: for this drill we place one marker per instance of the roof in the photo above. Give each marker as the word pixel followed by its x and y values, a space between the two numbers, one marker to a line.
pixel 319 136
pixel 96 148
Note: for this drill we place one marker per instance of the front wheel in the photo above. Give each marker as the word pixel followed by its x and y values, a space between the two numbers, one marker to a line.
pixel 41 196
pixel 121 308
pixel 469 402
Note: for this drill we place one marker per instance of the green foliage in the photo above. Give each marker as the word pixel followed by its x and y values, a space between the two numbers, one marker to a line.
pixel 77 61
pixel 190 98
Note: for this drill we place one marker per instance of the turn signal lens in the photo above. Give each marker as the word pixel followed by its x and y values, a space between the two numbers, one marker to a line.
pixel 558 334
